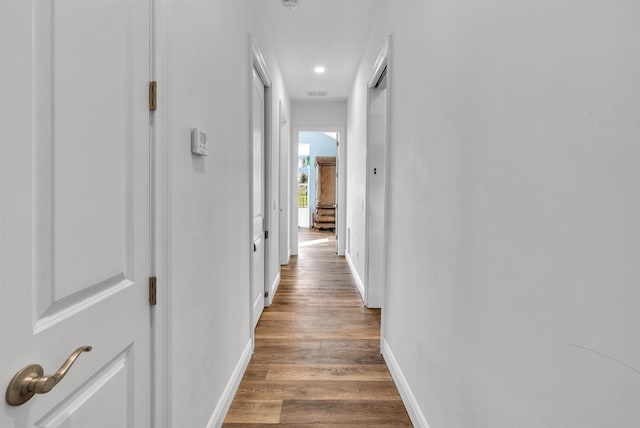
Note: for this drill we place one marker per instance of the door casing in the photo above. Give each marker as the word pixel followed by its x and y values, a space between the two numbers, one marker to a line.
pixel 341 185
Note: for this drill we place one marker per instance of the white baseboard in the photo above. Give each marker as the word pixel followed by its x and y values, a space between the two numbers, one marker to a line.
pixel 219 413
pixel 355 275
pixel 409 400
pixel 273 289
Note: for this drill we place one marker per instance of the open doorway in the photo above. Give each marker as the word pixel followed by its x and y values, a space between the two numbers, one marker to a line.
pixel 333 136
pixel 317 186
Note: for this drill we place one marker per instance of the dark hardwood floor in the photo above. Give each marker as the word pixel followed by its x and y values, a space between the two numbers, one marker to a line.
pixel 317 356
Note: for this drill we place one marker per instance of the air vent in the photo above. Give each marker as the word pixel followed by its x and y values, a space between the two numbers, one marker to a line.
pixel 290 4
pixel 317 93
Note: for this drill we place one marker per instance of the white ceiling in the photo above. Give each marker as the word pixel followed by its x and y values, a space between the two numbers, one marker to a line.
pixel 331 33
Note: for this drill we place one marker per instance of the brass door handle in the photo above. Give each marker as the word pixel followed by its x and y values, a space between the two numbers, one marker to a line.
pixel 31 380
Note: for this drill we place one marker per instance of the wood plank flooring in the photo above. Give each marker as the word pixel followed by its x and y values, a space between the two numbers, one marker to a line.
pixel 317 356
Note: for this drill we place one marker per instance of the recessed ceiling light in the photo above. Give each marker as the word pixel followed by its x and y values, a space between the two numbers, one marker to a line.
pixel 319 69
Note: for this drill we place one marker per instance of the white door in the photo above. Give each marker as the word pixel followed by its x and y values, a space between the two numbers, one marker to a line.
pixel 74 208
pixel 377 145
pixel 257 192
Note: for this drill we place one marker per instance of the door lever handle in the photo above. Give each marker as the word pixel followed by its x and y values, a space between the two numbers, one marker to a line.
pixel 31 380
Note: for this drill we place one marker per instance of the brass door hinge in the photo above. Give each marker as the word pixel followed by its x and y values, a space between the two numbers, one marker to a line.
pixel 153 95
pixel 266 234
pixel 153 296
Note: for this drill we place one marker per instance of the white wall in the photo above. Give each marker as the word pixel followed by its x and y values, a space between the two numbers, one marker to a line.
pixel 318 114
pixel 285 187
pixel 208 256
pixel 514 202
pixel 356 163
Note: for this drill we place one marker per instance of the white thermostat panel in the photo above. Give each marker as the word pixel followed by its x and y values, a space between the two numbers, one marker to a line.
pixel 199 143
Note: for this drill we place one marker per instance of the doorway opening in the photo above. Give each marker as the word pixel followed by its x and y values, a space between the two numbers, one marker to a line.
pixel 317 186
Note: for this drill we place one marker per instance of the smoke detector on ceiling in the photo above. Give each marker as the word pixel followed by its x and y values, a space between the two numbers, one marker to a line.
pixel 290 4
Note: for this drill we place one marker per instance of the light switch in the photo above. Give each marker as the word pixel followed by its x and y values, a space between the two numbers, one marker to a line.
pixel 199 142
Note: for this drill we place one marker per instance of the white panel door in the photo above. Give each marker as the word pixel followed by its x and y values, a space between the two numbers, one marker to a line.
pixel 257 191
pixel 74 208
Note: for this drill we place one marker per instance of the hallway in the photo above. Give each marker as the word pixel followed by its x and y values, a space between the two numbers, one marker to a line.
pixel 149 165
pixel 317 358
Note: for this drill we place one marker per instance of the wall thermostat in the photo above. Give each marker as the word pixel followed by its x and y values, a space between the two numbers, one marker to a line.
pixel 199 142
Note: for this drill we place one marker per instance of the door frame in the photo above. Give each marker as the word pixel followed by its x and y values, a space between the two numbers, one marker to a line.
pixel 341 185
pixel 161 202
pixel 381 65
pixel 258 64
